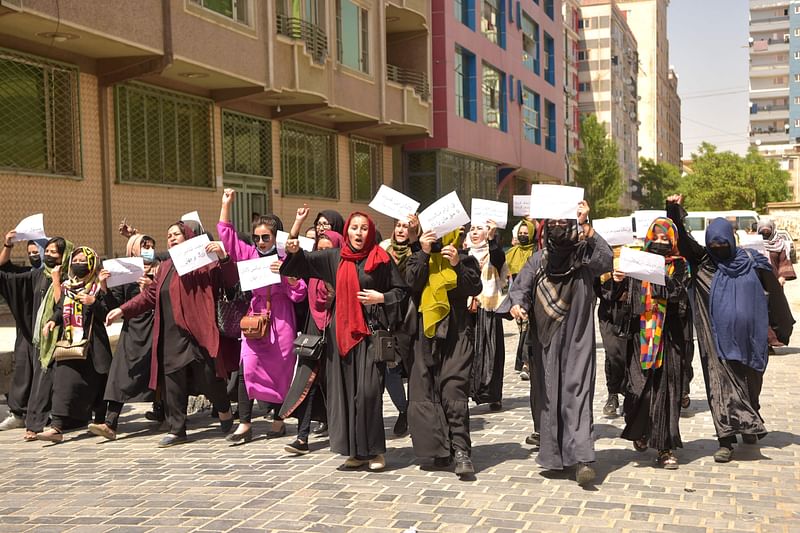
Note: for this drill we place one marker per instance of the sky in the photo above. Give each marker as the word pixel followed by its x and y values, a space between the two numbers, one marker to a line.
pixel 708 48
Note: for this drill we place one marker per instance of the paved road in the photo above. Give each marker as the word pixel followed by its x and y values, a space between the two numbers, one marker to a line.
pixel 130 485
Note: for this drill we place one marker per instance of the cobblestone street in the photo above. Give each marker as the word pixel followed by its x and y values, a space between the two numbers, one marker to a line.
pixel 129 485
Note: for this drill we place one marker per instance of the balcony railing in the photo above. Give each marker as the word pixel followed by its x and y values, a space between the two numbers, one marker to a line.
pixel 404 76
pixel 764 108
pixel 784 18
pixel 314 36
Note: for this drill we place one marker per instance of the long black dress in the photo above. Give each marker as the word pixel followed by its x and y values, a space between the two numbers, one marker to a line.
pixel 653 397
pixel 25 355
pixel 614 323
pixel 488 364
pixel 355 381
pixel 24 291
pixel 78 385
pixel 732 388
pixel 129 375
pixel 439 382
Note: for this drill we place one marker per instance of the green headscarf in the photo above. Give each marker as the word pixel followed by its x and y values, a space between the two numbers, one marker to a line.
pixel 518 255
pixel 47 344
pixel 434 304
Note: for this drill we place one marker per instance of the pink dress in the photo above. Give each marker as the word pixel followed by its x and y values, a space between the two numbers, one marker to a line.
pixel 269 362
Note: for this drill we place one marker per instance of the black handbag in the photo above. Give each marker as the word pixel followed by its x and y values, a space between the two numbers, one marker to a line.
pixel 310 347
pixel 385 345
pixel 232 305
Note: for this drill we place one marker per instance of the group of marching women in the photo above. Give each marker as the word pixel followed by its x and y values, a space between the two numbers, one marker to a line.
pixel 357 315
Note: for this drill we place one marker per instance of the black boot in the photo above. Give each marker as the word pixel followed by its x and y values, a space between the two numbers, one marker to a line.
pixel 464 466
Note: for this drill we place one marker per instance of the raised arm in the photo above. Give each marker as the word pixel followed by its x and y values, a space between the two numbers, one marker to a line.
pixel 687 245
pixel 8 245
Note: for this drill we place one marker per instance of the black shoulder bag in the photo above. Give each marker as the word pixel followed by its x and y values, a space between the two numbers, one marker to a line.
pixel 310 347
pixel 383 340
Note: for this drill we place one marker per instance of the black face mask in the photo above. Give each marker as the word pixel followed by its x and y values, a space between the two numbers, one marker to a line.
pixel 558 235
pixel 524 240
pixel 765 235
pixel 722 253
pixel 50 261
pixel 36 260
pixel 660 248
pixel 80 270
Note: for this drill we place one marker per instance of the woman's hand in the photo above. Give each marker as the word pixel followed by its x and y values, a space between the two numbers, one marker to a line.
pixel 675 199
pixel 9 242
pixel 215 247
pixel 292 246
pixel 144 282
pixel 126 230
pixel 48 328
pixel 113 315
pixel 519 313
pixel 103 278
pixel 450 253
pixel 618 276
pixel 302 213
pixel 87 299
pixel 275 267
pixel 491 226
pixel 227 196
pixel 413 228
pixel 583 212
pixel 55 274
pixel 370 297
pixel 426 241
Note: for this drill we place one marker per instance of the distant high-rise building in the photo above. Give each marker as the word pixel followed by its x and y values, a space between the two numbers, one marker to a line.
pixel 570 10
pixel 607 67
pixel 648 22
pixel 674 144
pixel 775 83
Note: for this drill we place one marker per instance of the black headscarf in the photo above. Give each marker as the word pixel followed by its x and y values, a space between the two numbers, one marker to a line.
pixel 334 218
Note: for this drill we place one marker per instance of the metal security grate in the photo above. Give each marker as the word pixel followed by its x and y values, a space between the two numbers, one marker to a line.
pixel 308 161
pixel 246 145
pixel 470 178
pixel 366 169
pixel 39 113
pixel 421 171
pixel 163 137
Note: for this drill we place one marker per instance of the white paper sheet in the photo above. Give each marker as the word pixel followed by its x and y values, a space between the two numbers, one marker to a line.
pixel 444 215
pixel 522 205
pixel 191 255
pixel 194 215
pixel 754 243
pixel 393 204
pixel 644 219
pixel 306 243
pixel 282 236
pixel 124 270
pixel 30 228
pixel 484 210
pixel 642 265
pixel 616 231
pixel 256 273
pixel 555 201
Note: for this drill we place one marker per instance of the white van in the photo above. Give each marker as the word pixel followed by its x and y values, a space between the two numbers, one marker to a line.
pixel 697 221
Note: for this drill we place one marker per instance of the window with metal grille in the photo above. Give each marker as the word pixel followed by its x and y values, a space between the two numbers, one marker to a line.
pixel 308 161
pixel 366 169
pixel 163 137
pixel 494 98
pixel 466 106
pixel 236 10
pixel 352 36
pixel 531 122
pixel 246 145
pixel 39 113
pixel 530 43
pixel 433 174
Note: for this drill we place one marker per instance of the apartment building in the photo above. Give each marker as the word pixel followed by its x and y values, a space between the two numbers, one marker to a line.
pixel 607 71
pixel 673 126
pixel 775 83
pixel 571 14
pixel 146 110
pixel 498 114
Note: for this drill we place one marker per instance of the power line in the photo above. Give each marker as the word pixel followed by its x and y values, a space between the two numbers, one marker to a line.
pixel 718 90
pixel 742 135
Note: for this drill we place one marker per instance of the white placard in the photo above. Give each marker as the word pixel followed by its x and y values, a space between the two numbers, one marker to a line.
pixel 256 273
pixel 555 201
pixel 444 215
pixel 194 215
pixel 124 270
pixel 644 219
pixel 522 205
pixel 191 255
pixel 485 210
pixel 616 231
pixel 755 243
pixel 30 228
pixel 393 204
pixel 642 265
pixel 280 242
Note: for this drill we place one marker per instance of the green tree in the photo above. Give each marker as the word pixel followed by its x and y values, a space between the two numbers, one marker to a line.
pixel 724 180
pixel 597 169
pixel 658 180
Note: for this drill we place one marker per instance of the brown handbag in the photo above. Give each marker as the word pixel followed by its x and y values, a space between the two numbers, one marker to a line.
pixel 257 326
pixel 64 351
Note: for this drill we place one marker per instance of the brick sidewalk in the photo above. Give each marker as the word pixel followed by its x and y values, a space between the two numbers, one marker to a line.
pixel 130 485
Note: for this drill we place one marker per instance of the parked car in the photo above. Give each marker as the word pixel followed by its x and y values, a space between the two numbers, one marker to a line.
pixel 792 247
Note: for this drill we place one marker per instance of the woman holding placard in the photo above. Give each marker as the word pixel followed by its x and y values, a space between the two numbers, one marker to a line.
pixel 654 372
pixel 489 344
pixel 369 302
pixel 556 288
pixel 267 358
pixel 186 341
pixel 736 299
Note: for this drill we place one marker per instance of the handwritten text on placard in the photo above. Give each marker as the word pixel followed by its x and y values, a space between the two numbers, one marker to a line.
pixel 642 265
pixel 444 215
pixel 191 255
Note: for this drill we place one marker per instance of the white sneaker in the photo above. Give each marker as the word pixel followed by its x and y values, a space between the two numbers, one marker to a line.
pixel 12 422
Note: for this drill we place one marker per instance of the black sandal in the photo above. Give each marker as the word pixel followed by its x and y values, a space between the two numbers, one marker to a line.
pixel 640 445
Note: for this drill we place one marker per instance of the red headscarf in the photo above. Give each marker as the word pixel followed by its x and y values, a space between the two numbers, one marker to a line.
pixel 351 328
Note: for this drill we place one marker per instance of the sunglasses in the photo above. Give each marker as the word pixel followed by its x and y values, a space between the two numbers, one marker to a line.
pixel 262 238
pixel 557 224
pixel 323 224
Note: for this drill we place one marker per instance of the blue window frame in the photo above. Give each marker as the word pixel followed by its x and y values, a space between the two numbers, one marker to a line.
pixel 548 8
pixel 493 21
pixel 550 118
pixel 530 44
pixel 465 12
pixel 549 59
pixel 465 82
pixel 531 121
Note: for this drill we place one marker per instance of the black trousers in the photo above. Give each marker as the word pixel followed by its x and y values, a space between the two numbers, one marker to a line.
pixel 246 403
pixel 112 414
pixel 176 392
pixel 616 348
pixel 25 357
pixel 303 412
